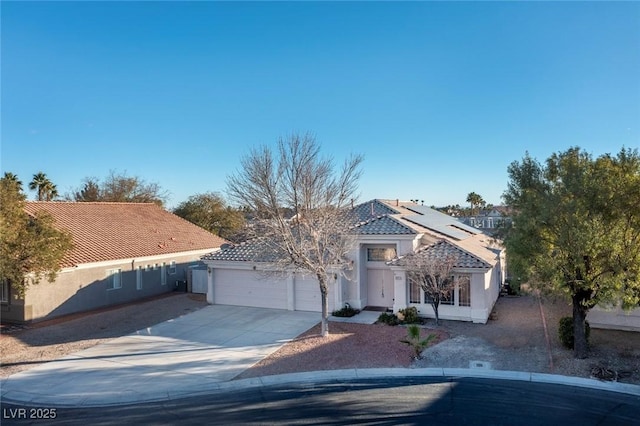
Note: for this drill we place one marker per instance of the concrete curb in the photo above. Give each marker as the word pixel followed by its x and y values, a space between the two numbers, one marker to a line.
pixel 317 377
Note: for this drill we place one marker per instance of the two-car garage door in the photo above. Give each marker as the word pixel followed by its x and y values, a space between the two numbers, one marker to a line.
pixel 250 288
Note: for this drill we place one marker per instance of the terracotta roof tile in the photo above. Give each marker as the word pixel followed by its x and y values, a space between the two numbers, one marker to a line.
pixel 110 231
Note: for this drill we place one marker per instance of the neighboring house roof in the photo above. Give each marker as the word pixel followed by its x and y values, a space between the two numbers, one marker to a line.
pixel 383 225
pixel 112 231
pixel 443 249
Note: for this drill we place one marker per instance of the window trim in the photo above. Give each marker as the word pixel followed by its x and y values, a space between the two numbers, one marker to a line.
pixel 387 254
pixel 5 292
pixel 115 279
pixel 139 278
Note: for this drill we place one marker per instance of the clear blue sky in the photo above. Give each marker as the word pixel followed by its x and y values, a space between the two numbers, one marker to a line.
pixel 440 97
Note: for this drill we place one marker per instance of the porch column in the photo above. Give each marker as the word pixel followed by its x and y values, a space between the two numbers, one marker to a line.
pixel 399 290
pixel 291 291
pixel 210 295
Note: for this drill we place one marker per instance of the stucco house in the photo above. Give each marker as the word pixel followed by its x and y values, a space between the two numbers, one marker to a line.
pixel 122 252
pixel 385 230
pixel 614 318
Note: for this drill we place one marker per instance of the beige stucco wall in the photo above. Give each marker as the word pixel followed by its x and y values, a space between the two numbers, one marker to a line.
pixel 86 287
pixel 614 318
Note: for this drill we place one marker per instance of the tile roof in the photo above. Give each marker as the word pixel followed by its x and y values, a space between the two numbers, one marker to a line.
pixel 369 210
pixel 255 250
pixel 383 225
pixel 111 231
pixel 443 249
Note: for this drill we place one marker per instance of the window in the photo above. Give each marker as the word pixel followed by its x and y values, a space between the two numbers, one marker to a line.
pixel 464 290
pixel 114 279
pixel 4 291
pixel 414 291
pixel 139 278
pixel 447 298
pixel 172 267
pixel 380 254
pixel 163 274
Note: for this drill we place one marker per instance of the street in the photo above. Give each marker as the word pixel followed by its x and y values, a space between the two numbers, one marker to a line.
pixel 382 402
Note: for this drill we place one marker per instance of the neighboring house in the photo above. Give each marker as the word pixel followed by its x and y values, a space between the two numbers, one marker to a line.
pixel 488 220
pixel 614 318
pixel 385 231
pixel 122 252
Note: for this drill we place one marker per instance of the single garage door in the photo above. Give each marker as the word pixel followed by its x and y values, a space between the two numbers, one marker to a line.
pixel 248 288
pixel 307 294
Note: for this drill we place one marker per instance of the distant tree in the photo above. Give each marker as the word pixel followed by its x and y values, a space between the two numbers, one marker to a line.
pixel 475 200
pixel 433 274
pixel 118 187
pixel 317 238
pixel 210 212
pixel 46 190
pixel 576 229
pixel 90 191
pixel 30 246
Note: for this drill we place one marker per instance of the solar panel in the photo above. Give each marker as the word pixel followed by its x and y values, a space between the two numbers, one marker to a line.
pixel 440 222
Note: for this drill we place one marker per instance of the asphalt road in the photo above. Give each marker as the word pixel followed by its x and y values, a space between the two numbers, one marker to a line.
pixel 424 400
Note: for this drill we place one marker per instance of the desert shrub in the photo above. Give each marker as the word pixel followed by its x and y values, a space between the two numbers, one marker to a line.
pixel 347 311
pixel 565 331
pixel 410 315
pixel 413 340
pixel 388 318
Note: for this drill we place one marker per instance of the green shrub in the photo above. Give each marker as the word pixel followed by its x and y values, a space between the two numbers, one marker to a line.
pixel 565 331
pixel 409 315
pixel 389 319
pixel 413 340
pixel 347 311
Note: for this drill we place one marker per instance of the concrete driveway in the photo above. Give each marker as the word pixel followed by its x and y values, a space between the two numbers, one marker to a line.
pixel 191 353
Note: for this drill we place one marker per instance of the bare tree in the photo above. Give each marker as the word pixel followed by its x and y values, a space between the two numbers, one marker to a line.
pixel 295 178
pixel 433 273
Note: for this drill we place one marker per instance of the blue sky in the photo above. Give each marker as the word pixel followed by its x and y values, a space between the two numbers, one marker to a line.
pixel 440 97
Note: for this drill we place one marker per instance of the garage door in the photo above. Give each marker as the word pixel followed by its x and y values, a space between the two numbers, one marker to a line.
pixel 307 294
pixel 248 288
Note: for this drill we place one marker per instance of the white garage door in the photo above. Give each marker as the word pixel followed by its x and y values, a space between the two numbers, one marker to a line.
pixel 248 288
pixel 307 295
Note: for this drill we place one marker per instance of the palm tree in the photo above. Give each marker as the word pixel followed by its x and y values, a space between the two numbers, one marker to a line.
pixel 47 191
pixel 475 200
pixel 13 178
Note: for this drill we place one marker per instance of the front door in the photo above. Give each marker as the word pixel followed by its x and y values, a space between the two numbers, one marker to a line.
pixel 380 288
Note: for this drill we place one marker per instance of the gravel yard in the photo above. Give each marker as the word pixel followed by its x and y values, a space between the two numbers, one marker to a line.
pixel 514 340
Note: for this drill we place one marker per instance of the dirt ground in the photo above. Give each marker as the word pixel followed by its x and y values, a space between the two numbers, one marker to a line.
pixel 514 340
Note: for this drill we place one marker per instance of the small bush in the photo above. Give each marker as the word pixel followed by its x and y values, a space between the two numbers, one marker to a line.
pixel 347 311
pixel 389 319
pixel 413 340
pixel 565 331
pixel 410 315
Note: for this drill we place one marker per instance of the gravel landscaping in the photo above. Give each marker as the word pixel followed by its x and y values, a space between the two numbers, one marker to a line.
pixel 514 340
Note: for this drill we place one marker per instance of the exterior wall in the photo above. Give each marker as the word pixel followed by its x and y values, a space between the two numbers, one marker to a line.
pixel 484 293
pixel 615 319
pixel 86 287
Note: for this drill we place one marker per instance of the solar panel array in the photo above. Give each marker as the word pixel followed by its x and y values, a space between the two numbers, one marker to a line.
pixel 440 222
